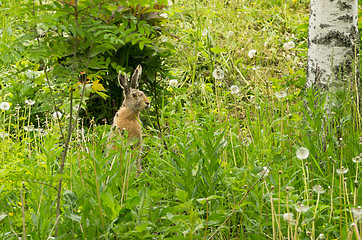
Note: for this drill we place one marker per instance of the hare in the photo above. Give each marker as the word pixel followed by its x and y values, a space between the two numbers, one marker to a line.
pixel 127 117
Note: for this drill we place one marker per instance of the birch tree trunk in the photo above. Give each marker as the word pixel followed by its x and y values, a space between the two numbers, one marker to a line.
pixel 333 44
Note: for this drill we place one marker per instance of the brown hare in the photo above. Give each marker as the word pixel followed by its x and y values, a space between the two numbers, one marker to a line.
pixel 127 117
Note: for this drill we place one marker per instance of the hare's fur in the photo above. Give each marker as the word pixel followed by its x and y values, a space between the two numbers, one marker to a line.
pixel 127 117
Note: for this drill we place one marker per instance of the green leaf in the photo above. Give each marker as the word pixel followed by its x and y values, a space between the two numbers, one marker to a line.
pixel 142 227
pixel 2 216
pixel 218 49
pixel 74 217
pixel 278 158
pixel 141 45
pixel 181 195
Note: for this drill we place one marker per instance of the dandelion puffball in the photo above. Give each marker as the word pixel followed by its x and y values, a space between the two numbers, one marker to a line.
pixel 281 94
pixel 289 45
pixel 252 53
pixel 218 74
pixel 57 115
pixel 234 89
pixel 173 83
pixel 5 106
pixel 29 102
pixel 302 153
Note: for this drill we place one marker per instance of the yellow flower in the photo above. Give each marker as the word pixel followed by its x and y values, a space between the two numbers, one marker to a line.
pixel 10 214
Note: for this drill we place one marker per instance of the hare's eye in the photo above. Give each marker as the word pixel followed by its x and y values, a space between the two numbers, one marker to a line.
pixel 134 95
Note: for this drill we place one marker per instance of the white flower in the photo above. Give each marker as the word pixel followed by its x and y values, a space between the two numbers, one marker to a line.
pixel 342 170
pixel 234 89
pixel 29 102
pixel 289 45
pixel 302 153
pixel 170 3
pixel 5 106
pixel 281 94
pixel 300 207
pixel 318 189
pixel 57 115
pixel 218 74
pixel 17 107
pixel 252 53
pixel 42 132
pixel 173 83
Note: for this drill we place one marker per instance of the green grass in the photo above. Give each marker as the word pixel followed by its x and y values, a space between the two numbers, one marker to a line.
pixel 216 165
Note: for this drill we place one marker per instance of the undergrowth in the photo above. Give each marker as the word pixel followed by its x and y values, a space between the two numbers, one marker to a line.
pixel 239 149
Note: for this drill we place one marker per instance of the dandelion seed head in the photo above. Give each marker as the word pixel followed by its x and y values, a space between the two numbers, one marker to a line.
pixel 357 159
pixel 230 34
pixel 173 83
pixel 302 153
pixel 4 134
pixel 264 172
pixel 76 107
pixel 57 115
pixel 252 53
pixel 255 67
pixel 234 89
pixel 318 189
pixel 246 141
pixel 164 15
pixel 29 128
pixel 281 94
pixel 218 74
pixel 289 45
pixel 342 170
pixel 321 236
pixel 357 213
pixel 204 32
pixel 29 102
pixel 300 207
pixel 4 106
pixel 288 217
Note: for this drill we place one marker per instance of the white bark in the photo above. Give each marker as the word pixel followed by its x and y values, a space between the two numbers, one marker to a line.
pixel 333 44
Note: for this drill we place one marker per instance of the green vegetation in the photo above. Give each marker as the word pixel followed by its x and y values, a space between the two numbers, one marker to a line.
pixel 235 147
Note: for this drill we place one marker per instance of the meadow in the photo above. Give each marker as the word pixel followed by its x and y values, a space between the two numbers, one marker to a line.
pixel 234 145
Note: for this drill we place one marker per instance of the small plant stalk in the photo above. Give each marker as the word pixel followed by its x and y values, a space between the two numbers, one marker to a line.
pixel 207 217
pixel 272 214
pixel 23 212
pixel 314 217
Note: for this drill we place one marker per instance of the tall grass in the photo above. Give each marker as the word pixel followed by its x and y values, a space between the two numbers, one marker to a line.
pixel 242 150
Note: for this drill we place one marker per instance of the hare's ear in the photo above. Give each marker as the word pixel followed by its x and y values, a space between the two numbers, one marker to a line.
pixel 136 77
pixel 123 82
